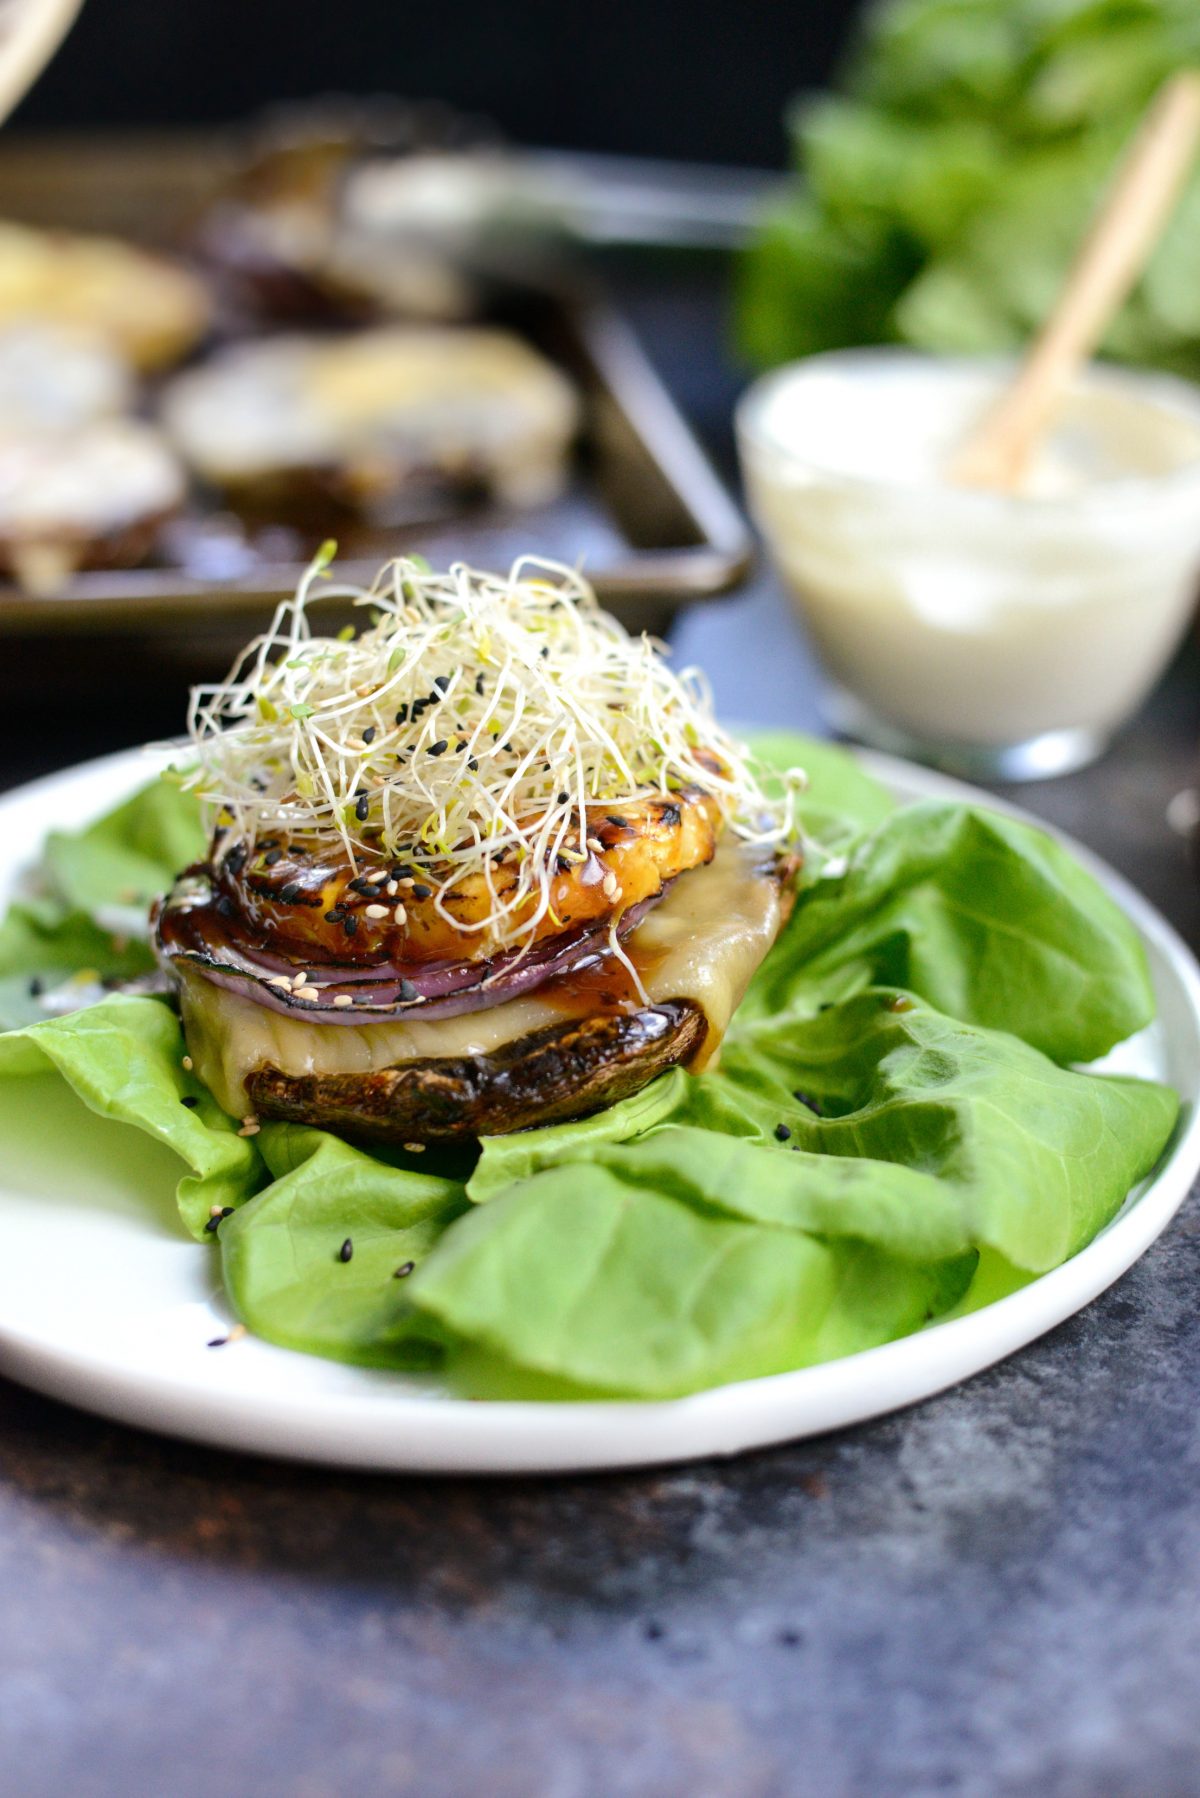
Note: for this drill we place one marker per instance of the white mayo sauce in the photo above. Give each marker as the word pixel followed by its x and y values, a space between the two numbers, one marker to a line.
pixel 975 617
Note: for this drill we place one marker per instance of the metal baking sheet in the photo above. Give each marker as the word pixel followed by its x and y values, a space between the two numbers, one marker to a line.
pixel 643 513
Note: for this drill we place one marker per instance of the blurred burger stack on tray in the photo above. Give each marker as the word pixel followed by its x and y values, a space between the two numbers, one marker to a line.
pixel 364 321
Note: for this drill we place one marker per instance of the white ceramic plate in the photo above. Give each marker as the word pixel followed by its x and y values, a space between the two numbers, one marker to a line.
pixel 106 1303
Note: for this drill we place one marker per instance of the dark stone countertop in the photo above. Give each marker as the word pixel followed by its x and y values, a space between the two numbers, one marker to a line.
pixel 995 1592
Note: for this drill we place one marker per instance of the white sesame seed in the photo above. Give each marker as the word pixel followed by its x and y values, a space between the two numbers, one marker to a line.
pixel 595 845
pixel 280 980
pixel 343 999
pixel 236 1334
pixel 298 980
pixel 415 1148
pixel 393 887
pixel 188 1063
pixel 376 911
pixel 609 886
pixel 400 915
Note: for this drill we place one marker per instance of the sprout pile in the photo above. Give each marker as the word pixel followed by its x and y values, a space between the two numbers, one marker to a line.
pixel 470 725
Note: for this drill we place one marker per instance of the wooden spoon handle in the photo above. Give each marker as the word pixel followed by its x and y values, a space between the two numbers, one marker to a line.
pixel 30 33
pixel 1109 261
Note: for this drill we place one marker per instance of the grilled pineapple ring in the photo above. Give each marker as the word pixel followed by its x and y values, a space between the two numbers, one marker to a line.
pixel 292 897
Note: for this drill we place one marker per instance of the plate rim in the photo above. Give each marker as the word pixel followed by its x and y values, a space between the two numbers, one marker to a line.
pixel 372 1425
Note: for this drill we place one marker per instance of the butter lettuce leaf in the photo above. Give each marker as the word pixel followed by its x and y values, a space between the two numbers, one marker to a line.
pixel 131 855
pixel 88 903
pixel 939 195
pixel 579 1276
pixel 124 1058
pixel 989 919
pixel 283 1253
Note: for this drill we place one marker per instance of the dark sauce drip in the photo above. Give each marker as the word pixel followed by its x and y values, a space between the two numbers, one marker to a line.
pixel 604 985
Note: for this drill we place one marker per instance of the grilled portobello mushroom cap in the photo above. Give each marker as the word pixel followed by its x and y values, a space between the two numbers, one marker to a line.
pixel 561 1071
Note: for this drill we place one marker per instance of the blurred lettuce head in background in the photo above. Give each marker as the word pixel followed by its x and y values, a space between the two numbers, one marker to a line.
pixel 939 197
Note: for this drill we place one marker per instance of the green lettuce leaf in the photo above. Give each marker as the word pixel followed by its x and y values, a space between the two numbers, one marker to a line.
pixel 579 1277
pixel 89 912
pixel 124 1058
pixel 939 197
pixel 282 1253
pixel 989 919
pixel 841 800
pixel 129 856
pixel 41 939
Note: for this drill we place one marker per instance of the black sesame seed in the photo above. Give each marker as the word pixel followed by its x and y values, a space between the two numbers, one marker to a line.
pixel 408 991
pixel 362 808
pixel 441 682
pixel 440 747
pixel 479 683
pixel 402 715
pixel 435 698
pixel 562 798
pixel 350 925
pixel 472 764
pixel 807 1099
pixel 225 906
pixel 369 891
pixel 782 1133
pixel 368 735
pixel 619 823
pixel 346 1250
pixel 189 1101
pixel 35 988
pixel 271 857
pixel 421 892
pixel 359 884
pixel 290 894
pixel 235 861
pixel 419 706
pixel 211 1225
pixel 335 916
pixel 405 1268
pixel 217 1341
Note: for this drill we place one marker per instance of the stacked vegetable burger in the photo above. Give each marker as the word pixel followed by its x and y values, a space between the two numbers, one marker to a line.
pixel 487 863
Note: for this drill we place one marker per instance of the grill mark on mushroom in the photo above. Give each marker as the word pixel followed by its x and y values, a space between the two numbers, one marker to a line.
pixel 558 1072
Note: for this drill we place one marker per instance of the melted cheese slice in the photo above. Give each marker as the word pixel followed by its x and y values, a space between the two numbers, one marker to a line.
pixel 703 942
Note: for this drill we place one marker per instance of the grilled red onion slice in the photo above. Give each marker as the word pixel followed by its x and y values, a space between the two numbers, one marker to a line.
pixel 190 928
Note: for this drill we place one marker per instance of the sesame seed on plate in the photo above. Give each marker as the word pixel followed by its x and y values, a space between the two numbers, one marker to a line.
pixel 343 999
pixel 376 911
